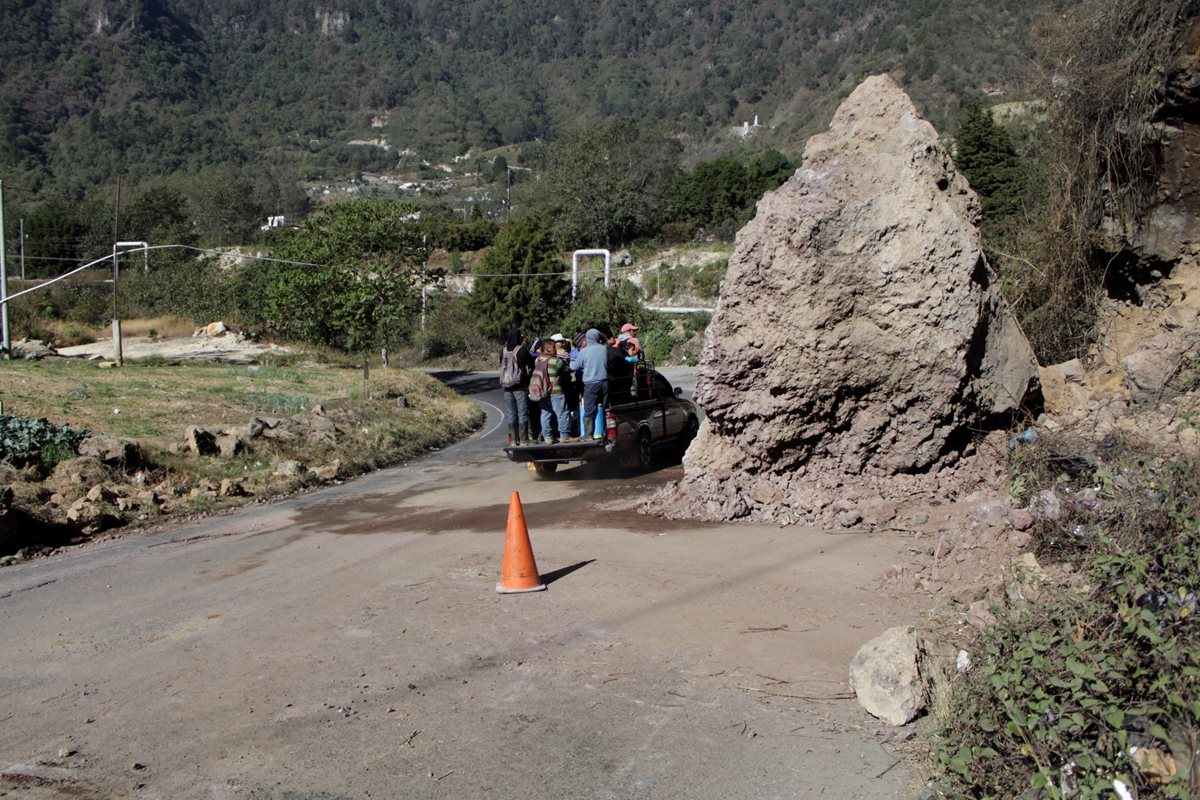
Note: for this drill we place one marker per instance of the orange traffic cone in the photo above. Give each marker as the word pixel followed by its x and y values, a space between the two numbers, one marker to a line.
pixel 519 572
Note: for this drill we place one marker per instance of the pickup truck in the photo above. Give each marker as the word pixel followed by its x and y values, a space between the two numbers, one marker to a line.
pixel 641 417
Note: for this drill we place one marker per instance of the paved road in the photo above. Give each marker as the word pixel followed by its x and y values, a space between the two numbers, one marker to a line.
pixel 348 643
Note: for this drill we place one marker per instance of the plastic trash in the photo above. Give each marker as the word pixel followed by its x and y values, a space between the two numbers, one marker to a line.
pixel 1024 437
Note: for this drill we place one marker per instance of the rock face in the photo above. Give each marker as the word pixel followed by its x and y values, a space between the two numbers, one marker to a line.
pixel 857 333
pixel 1170 227
pixel 886 676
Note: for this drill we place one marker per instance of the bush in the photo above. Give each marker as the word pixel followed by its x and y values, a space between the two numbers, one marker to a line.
pixel 53 443
pixel 451 329
pixel 1102 684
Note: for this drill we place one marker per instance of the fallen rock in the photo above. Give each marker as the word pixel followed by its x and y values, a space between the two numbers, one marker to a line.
pixel 1021 519
pixel 233 487
pixel 201 441
pixel 1064 387
pixel 288 468
pixel 121 453
pixel 1027 579
pixel 886 676
pixel 848 518
pixel 31 349
pixel 326 472
pixel 980 616
pixel 230 445
pixel 91 517
pixel 859 333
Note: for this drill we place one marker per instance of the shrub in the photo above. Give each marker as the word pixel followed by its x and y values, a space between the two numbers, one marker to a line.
pixel 1102 684
pixel 22 435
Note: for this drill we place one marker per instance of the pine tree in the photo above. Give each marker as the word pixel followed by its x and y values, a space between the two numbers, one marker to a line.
pixel 985 153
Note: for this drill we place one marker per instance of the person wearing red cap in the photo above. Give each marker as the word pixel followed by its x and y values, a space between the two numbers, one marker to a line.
pixel 629 334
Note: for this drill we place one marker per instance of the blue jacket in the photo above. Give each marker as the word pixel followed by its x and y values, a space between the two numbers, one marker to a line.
pixel 592 362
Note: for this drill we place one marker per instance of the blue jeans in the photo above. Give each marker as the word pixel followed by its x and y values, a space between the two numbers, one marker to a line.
pixel 516 405
pixel 555 404
pixel 595 396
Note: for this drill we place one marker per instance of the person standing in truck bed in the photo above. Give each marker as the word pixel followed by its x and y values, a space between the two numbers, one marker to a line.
pixel 515 365
pixel 592 365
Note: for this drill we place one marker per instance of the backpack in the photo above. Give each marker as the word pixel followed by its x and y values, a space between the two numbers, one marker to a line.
pixel 539 382
pixel 510 370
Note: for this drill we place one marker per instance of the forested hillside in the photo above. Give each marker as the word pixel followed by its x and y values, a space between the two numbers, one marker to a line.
pixel 92 89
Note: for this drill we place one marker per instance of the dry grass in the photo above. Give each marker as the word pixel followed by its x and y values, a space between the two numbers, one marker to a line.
pixel 169 327
pixel 398 414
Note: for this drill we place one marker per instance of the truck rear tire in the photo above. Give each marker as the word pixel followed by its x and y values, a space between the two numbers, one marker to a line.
pixel 645 451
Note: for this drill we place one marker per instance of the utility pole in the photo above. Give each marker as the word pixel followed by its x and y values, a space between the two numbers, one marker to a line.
pixel 116 322
pixel 4 282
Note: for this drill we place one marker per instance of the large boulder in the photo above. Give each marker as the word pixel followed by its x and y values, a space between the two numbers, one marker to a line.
pixel 858 331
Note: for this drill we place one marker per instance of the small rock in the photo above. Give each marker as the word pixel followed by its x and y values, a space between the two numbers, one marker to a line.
pixel 230 445
pixel 980 616
pixel 849 518
pixel 231 487
pixel 201 441
pixel 1021 519
pixel 288 468
pixel 919 518
pixel 327 472
pixel 1047 505
pixel 879 513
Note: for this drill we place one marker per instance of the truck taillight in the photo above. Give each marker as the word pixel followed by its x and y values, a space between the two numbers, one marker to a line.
pixel 610 426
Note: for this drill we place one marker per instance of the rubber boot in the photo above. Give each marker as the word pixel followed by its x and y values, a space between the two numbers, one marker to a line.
pixel 525 432
pixel 514 435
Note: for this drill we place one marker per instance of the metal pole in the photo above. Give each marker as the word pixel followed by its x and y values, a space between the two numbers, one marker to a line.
pixel 4 282
pixel 116 322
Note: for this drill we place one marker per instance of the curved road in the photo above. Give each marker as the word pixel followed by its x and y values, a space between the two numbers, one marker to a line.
pixel 348 643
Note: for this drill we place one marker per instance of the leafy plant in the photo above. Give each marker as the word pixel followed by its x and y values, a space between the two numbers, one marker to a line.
pixel 1100 684
pixel 26 435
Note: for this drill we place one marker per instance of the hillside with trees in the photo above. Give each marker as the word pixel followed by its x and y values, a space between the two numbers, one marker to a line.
pixel 92 90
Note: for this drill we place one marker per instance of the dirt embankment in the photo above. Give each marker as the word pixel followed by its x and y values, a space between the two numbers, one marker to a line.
pixel 197 425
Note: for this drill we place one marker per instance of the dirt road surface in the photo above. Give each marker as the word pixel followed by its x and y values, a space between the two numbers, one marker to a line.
pixel 349 643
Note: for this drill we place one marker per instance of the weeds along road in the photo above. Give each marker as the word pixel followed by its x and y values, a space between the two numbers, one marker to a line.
pixel 349 643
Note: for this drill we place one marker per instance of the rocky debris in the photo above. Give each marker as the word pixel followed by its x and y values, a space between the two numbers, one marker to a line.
pixel 92 516
pixel 886 676
pixel 858 340
pixel 212 330
pixel 120 453
pixel 233 487
pixel 200 441
pixel 326 472
pixel 319 426
pixel 288 468
pixel 31 349
pixel 1027 578
pixel 73 478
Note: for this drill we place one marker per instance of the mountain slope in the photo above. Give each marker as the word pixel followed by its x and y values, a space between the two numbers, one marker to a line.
pixel 94 88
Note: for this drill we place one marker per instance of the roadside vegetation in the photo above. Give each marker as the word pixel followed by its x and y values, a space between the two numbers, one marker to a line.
pixel 332 419
pixel 1090 688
